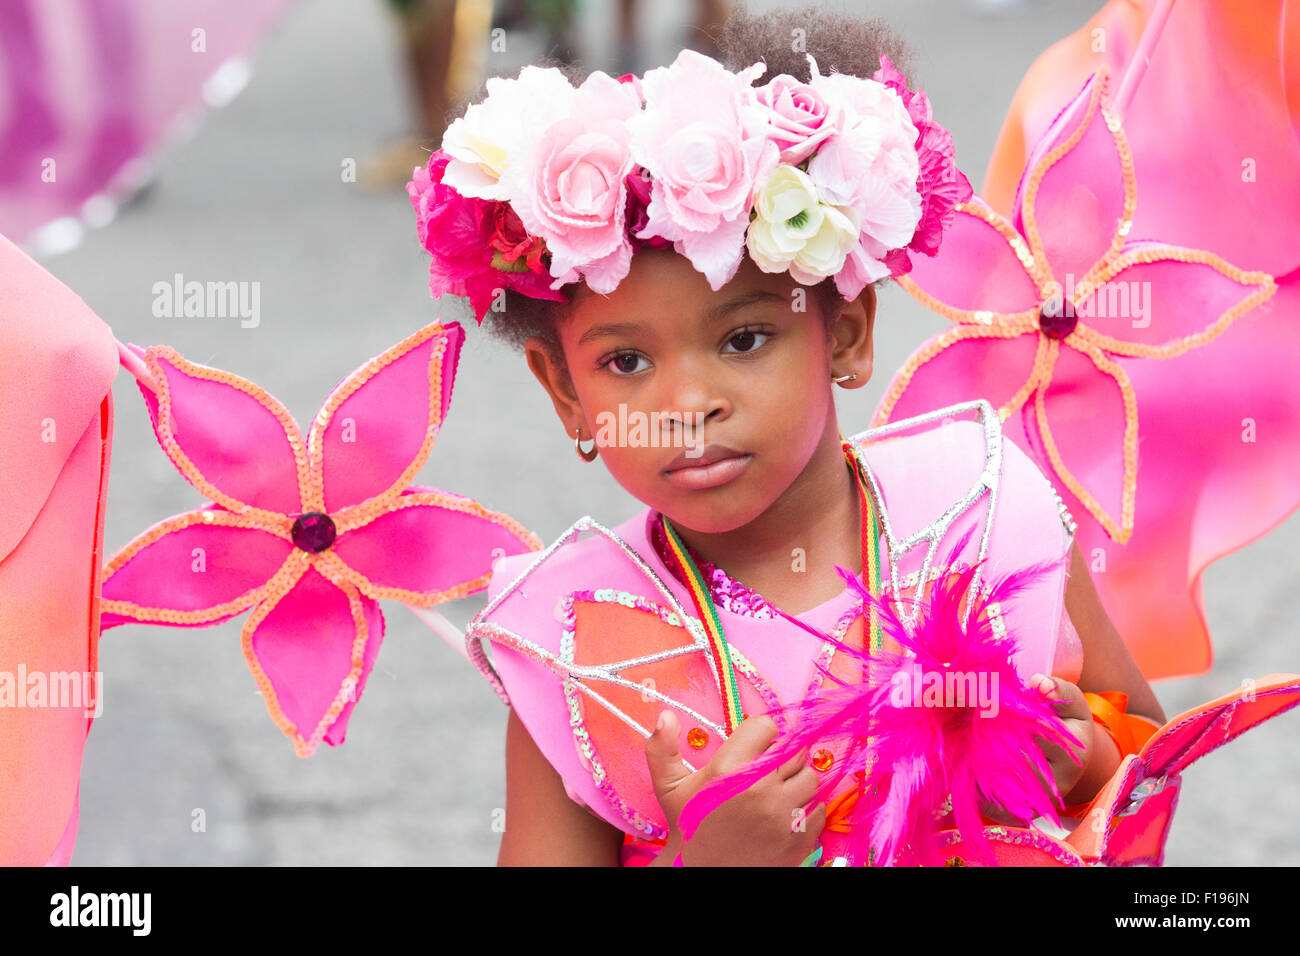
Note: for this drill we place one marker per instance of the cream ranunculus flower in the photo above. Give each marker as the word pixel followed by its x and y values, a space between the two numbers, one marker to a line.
pixel 794 230
pixel 788 214
pixel 823 255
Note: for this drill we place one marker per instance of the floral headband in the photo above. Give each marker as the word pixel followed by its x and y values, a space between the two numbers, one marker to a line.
pixel 544 184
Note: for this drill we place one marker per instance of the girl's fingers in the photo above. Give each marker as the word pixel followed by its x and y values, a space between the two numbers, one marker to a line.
pixel 801 787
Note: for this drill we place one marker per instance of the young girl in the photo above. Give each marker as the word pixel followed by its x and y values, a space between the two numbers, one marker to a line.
pixel 688 262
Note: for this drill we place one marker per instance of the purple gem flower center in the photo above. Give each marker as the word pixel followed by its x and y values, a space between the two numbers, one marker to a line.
pixel 313 532
pixel 1056 319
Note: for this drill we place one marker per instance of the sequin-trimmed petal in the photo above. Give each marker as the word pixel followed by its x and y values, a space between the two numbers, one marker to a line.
pixel 1159 301
pixel 1079 410
pixel 926 389
pixel 310 647
pixel 430 547
pixel 228 437
pixel 1076 204
pixel 983 274
pixel 376 429
pixel 192 569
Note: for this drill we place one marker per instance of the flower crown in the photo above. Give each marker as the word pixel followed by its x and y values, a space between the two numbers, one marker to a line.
pixel 544 184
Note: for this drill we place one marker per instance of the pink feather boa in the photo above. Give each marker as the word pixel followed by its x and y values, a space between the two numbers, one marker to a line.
pixel 921 752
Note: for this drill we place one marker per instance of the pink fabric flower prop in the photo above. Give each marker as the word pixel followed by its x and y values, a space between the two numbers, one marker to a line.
pixel 478 246
pixel 308 535
pixel 704 138
pixel 1054 307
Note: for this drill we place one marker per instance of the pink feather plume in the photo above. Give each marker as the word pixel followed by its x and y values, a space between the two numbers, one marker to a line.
pixel 920 752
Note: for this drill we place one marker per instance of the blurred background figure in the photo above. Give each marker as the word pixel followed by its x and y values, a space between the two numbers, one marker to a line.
pixel 90 89
pixel 710 15
pixel 446 44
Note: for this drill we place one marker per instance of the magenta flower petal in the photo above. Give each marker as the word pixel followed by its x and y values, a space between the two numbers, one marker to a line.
pixel 967 368
pixel 193 569
pixel 1074 204
pixel 432 547
pixel 979 268
pixel 1179 300
pixel 230 439
pixel 1089 404
pixel 377 428
pixel 311 652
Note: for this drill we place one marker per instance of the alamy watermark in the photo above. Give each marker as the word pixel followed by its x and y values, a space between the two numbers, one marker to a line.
pixel 64 689
pixel 177 299
pixel 636 429
pixel 915 687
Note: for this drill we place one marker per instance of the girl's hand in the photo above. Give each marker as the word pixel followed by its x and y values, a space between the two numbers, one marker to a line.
pixel 1074 712
pixel 765 825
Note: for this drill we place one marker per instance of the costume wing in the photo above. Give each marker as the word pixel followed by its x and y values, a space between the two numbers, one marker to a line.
pixel 1129 820
pixel 589 675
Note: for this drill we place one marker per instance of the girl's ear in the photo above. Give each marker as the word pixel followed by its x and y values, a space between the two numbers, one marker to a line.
pixel 550 370
pixel 852 343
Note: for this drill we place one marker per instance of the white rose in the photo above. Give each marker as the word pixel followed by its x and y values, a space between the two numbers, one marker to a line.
pixel 495 134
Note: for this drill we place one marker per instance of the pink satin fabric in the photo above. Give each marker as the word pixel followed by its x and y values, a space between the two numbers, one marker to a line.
pixel 1214 128
pixel 56 410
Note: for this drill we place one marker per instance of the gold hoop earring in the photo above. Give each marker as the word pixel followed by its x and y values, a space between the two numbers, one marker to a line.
pixel 844 378
pixel 587 454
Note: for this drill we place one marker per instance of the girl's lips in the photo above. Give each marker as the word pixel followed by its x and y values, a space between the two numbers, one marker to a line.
pixel 711 475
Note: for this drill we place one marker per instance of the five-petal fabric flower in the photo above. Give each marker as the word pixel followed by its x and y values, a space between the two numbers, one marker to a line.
pixel 310 533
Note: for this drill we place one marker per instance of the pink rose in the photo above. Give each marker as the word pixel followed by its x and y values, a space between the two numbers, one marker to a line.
pixel 572 190
pixel 704 138
pixel 801 117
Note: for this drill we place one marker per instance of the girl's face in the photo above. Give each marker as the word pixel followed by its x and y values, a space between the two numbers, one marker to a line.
pixel 705 405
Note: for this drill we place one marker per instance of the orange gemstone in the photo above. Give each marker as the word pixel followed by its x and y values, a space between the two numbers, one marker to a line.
pixel 954 861
pixel 697 737
pixel 822 759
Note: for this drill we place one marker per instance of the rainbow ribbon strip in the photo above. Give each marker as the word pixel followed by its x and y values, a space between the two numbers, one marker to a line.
pixel 717 642
pixel 707 612
pixel 870 542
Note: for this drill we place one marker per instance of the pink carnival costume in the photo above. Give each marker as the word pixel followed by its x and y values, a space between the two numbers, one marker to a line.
pixel 577 631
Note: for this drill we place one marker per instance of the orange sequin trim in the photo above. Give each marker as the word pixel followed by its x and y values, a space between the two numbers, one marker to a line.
pixel 154 358
pixel 1084 339
pixel 374 506
pixel 165 615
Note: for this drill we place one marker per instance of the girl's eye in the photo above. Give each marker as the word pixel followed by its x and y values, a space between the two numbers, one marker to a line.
pixel 747 340
pixel 626 363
